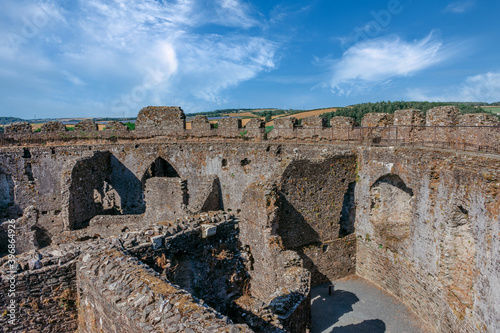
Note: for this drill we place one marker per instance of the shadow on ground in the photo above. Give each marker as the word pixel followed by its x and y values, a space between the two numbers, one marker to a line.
pixel 367 326
pixel 328 310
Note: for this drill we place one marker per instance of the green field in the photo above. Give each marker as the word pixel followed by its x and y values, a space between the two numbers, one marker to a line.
pixel 495 109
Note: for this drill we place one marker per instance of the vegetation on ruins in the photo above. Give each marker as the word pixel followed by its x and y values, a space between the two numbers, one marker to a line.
pixel 130 126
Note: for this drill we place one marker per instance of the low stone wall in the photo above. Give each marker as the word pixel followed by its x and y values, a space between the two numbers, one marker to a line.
pixel 118 293
pixel 134 283
pixel 45 294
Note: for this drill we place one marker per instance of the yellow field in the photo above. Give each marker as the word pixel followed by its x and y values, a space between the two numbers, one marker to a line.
pixel 302 115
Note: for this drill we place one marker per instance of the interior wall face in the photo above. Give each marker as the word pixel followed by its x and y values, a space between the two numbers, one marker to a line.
pixel 427 227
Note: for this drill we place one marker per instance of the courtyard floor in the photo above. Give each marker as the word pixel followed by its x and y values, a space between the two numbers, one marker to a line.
pixel 358 306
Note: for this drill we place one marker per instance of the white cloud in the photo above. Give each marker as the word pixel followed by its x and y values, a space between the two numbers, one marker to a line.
pixel 138 51
pixel 459 7
pixel 478 88
pixel 234 13
pixel 379 60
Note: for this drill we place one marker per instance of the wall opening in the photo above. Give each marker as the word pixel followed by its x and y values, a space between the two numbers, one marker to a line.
pixel 391 211
pixel 159 168
pixel 348 214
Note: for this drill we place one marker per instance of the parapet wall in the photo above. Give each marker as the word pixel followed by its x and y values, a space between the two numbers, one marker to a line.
pixel 442 126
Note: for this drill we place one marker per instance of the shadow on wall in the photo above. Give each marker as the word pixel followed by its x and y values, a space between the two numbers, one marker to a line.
pixel 297 234
pixel 8 207
pixel 128 188
pixel 348 214
pixel 159 168
pixel 102 185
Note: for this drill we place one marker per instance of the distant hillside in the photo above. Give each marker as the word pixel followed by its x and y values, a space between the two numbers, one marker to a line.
pixel 9 120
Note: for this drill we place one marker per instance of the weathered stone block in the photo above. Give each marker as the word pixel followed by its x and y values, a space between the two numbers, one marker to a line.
pixel 18 127
pixel 314 122
pixel 115 126
pixel 342 122
pixel 86 126
pixel 443 116
pixel 53 126
pixel 410 117
pixel 229 123
pixel 285 123
pixel 163 118
pixel 478 119
pixel 255 123
pixel 208 230
pixel 200 123
pixel 157 241
pixel 377 120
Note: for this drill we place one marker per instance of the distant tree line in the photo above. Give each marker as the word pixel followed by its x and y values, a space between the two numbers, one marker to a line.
pixel 358 111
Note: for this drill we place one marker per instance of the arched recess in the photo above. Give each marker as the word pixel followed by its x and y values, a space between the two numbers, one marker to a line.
pixel 159 168
pixel 8 207
pixel 391 211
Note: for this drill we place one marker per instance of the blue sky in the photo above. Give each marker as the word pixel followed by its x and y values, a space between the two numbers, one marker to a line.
pixel 92 58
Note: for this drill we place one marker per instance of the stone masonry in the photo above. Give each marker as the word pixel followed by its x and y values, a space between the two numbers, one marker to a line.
pixel 161 229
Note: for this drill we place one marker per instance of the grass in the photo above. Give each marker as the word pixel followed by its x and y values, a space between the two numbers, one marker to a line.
pixel 494 109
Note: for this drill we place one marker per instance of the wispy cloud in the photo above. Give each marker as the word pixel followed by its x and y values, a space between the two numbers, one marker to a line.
pixel 460 6
pixel 379 60
pixel 478 88
pixel 139 51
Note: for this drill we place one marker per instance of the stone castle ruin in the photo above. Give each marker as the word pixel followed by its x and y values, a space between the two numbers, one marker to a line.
pixel 164 229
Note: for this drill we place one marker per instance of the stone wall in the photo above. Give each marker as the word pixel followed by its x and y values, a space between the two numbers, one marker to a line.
pixel 427 227
pixel 277 275
pixel 316 215
pixel 45 292
pixel 87 192
pixel 442 116
pixel 120 293
pixel 377 120
pixel 166 199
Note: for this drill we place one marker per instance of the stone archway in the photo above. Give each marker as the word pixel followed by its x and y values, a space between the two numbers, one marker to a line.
pixel 159 168
pixel 391 211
